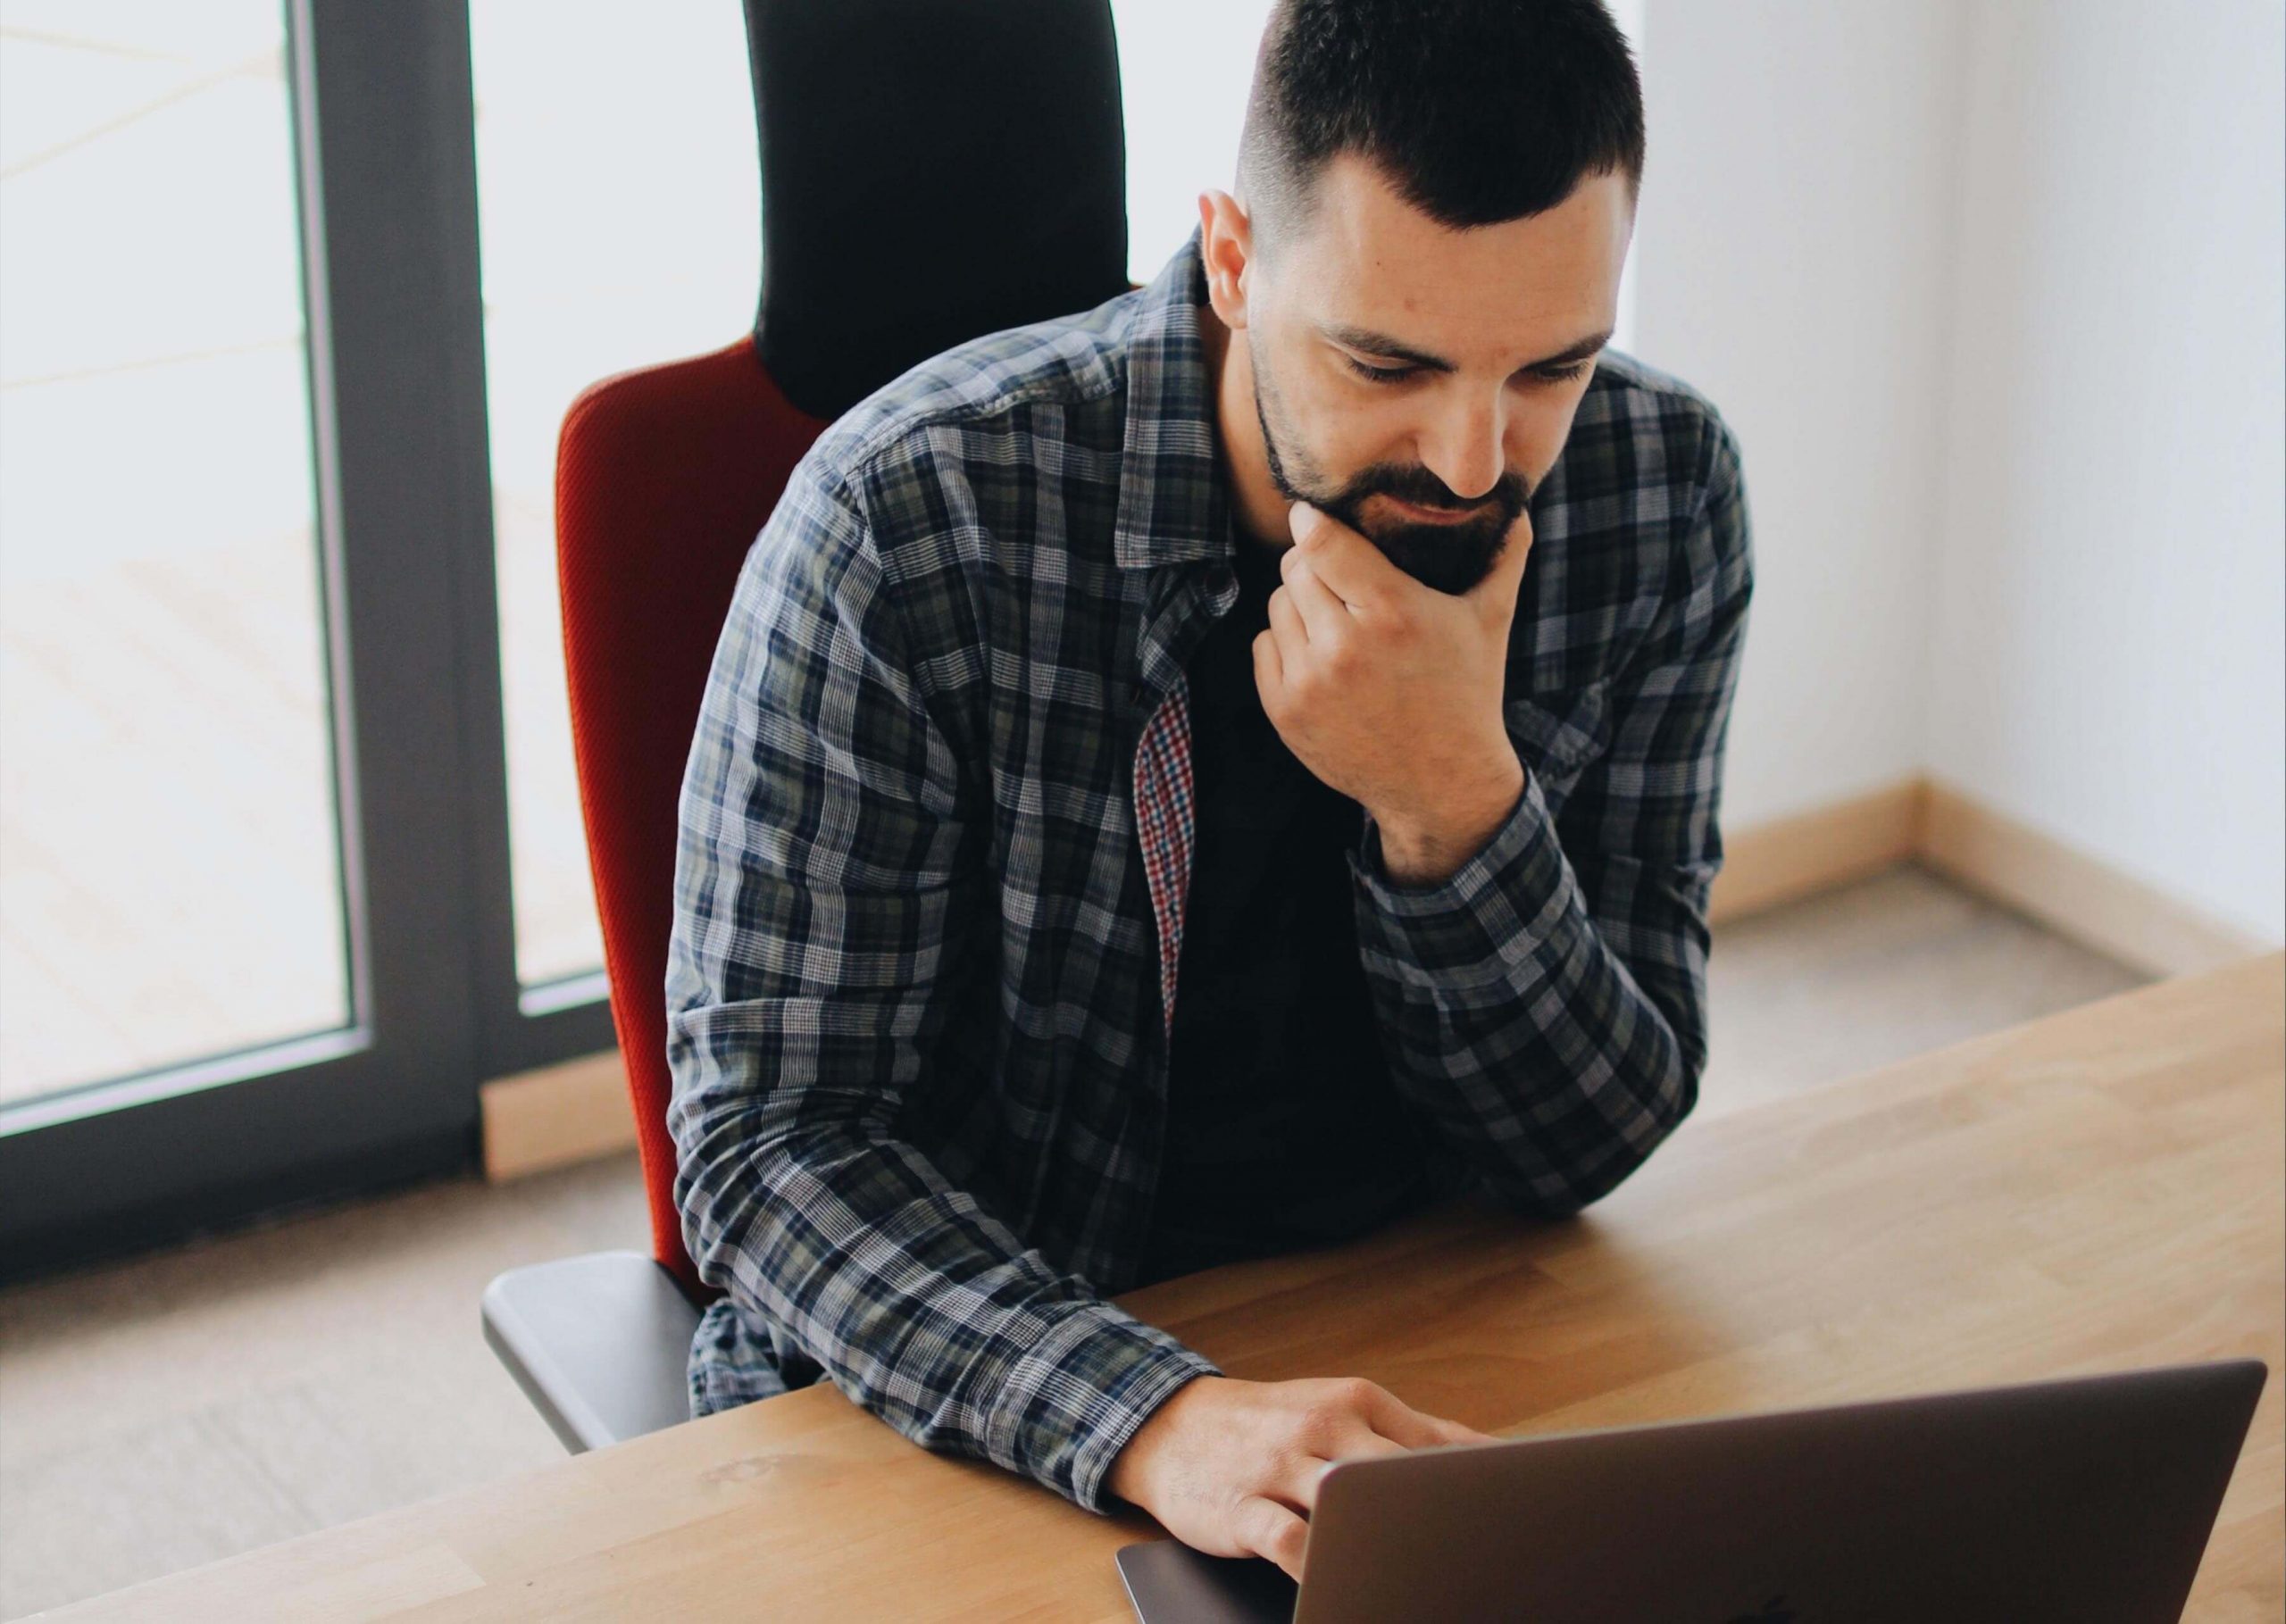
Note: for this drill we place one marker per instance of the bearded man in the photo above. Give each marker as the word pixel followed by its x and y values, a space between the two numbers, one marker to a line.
pixel 1211 775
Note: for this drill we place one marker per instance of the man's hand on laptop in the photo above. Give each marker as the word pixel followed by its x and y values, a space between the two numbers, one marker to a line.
pixel 1231 1468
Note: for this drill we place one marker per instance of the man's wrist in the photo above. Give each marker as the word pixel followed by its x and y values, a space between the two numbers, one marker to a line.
pixel 1429 851
pixel 1128 1477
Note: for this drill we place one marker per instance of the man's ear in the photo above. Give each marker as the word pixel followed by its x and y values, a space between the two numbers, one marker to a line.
pixel 1226 247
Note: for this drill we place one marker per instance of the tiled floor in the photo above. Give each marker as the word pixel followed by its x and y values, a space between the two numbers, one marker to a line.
pixel 173 1411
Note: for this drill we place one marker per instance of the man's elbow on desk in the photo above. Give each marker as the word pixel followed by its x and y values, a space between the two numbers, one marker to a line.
pixel 1541 1190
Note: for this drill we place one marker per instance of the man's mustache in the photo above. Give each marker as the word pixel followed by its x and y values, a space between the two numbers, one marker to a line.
pixel 1507 499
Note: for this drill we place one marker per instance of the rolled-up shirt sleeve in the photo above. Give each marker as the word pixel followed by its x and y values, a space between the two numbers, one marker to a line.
pixel 825 883
pixel 1543 1007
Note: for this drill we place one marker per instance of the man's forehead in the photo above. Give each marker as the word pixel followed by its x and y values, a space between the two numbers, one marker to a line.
pixel 1525 288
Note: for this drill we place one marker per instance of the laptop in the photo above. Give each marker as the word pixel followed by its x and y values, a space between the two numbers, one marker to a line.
pixel 2087 1499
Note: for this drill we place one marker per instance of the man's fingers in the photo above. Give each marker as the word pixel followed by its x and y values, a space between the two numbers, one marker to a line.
pixel 1286 619
pixel 1275 1522
pixel 1269 668
pixel 1364 1444
pixel 1454 1432
pixel 1269 1530
pixel 1359 573
pixel 1322 613
pixel 1496 593
pixel 1393 1418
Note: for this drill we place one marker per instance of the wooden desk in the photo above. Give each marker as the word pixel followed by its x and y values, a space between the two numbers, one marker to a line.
pixel 2094 1191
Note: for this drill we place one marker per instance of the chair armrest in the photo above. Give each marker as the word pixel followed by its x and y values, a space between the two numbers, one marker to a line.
pixel 600 1344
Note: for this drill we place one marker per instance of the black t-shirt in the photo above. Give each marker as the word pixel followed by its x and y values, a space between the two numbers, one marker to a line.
pixel 1284 1129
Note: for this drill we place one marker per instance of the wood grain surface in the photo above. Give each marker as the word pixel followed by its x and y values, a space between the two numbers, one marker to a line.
pixel 2097 1190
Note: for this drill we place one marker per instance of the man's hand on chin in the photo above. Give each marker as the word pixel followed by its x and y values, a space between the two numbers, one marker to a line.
pixel 1390 691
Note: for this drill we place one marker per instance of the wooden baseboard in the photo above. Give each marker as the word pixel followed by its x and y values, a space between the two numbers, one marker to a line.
pixel 1788 859
pixel 570 1112
pixel 557 1115
pixel 1984 851
pixel 2073 894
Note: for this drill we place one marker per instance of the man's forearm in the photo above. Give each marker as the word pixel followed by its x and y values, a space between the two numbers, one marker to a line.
pixel 1515 1027
pixel 922 1308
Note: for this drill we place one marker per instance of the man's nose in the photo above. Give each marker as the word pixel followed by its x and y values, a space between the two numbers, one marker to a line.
pixel 1467 450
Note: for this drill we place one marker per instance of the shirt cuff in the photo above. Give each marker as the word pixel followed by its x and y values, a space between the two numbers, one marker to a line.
pixel 1489 914
pixel 1072 1398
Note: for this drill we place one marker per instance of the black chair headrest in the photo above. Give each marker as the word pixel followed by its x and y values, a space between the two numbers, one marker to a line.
pixel 931 171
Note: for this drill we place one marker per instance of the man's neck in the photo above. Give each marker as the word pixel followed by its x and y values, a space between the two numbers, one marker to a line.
pixel 1246 463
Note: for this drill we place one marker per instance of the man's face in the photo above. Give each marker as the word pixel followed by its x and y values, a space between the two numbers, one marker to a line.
pixel 1469 409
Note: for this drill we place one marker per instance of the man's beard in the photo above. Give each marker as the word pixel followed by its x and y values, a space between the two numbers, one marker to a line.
pixel 1449 557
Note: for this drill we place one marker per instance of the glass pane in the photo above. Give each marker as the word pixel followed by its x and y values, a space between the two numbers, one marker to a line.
pixel 168 855
pixel 621 206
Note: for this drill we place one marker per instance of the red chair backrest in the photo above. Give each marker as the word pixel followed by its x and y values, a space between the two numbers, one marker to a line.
pixel 663 477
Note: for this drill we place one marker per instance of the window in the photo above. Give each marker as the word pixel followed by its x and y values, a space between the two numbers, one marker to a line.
pixel 609 243
pixel 169 851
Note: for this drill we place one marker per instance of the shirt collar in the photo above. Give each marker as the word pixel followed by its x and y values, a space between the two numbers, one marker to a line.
pixel 1173 505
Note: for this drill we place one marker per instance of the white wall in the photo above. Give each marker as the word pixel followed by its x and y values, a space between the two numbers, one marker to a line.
pixel 1991 292
pixel 2106 658
pixel 1184 68
pixel 1793 248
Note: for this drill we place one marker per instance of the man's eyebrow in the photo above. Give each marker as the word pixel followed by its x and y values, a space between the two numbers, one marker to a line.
pixel 1381 343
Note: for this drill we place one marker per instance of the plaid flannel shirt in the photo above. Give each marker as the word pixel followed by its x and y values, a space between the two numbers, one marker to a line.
pixel 935 838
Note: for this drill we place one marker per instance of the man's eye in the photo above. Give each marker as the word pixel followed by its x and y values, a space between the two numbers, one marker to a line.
pixel 1398 374
pixel 1379 374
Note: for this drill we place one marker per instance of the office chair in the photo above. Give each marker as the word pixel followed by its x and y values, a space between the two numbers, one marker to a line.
pixel 931 171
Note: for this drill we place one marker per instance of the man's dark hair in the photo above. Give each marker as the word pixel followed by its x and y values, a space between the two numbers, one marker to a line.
pixel 1475 111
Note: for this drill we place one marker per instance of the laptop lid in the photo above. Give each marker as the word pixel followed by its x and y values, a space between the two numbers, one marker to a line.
pixel 2088 1498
